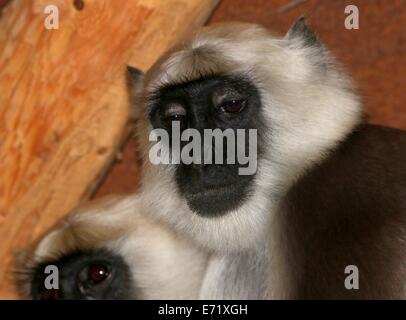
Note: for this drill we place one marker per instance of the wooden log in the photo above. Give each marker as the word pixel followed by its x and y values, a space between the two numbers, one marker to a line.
pixel 63 102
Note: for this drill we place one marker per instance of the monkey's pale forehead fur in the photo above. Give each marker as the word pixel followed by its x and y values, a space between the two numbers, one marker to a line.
pixel 308 107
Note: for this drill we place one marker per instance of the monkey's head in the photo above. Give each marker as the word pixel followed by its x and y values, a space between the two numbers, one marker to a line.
pixel 79 257
pixel 236 78
pixel 109 249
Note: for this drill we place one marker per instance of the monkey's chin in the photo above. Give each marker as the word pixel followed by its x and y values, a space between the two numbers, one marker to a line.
pixel 218 200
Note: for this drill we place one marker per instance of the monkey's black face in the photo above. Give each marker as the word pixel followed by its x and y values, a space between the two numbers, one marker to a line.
pixel 229 103
pixel 82 275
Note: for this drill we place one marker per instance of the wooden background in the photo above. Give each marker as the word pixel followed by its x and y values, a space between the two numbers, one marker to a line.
pixel 374 55
pixel 63 102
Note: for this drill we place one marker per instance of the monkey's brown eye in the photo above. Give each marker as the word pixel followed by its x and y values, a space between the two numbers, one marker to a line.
pixel 94 278
pixel 232 106
pixel 94 274
pixel 175 112
pixel 97 273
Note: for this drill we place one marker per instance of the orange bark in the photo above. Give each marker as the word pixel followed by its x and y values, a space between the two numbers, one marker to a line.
pixel 63 102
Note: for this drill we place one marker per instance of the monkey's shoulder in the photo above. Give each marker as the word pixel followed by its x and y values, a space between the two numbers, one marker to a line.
pixel 364 176
pixel 351 210
pixel 367 167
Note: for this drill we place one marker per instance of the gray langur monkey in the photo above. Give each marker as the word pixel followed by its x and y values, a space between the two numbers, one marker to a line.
pixel 110 249
pixel 329 190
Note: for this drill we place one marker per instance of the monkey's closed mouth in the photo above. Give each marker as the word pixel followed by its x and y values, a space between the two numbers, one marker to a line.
pixel 217 200
pixel 220 188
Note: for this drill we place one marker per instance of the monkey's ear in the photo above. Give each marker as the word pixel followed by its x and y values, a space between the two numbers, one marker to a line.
pixel 134 73
pixel 135 78
pixel 302 32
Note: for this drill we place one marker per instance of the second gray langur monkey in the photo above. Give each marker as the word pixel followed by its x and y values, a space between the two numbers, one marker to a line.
pixel 111 249
pixel 329 191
